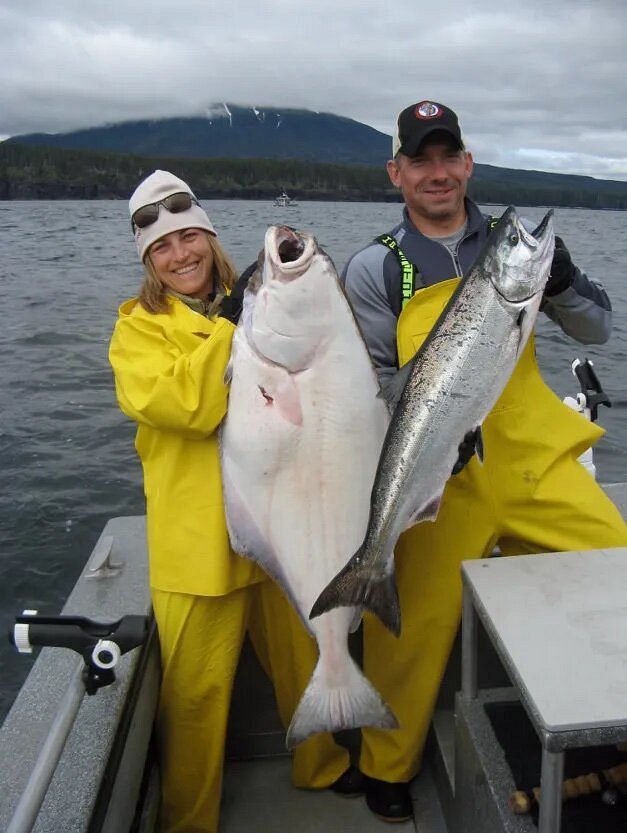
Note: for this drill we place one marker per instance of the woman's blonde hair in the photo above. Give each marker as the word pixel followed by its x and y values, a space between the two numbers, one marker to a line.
pixel 153 292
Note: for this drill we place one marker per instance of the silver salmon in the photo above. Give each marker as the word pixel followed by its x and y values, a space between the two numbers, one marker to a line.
pixel 442 394
pixel 299 450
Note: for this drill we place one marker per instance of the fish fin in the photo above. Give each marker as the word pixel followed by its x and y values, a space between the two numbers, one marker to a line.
pixel 520 323
pixel 356 620
pixel 525 325
pixel 392 389
pixel 428 512
pixel 245 535
pixel 471 444
pixel 479 444
pixel 325 708
pixel 286 397
pixel 248 541
pixel 228 373
pixel 355 586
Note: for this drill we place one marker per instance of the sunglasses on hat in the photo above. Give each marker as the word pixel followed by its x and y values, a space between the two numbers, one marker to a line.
pixel 175 203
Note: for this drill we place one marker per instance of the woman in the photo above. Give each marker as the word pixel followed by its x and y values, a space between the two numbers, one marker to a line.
pixel 169 352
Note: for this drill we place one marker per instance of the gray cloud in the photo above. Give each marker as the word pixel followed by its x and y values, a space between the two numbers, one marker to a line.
pixel 534 87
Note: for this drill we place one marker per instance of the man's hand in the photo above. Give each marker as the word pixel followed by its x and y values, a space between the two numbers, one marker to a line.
pixel 231 305
pixel 562 270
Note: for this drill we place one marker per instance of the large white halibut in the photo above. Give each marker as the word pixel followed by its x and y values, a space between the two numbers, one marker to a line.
pixel 300 446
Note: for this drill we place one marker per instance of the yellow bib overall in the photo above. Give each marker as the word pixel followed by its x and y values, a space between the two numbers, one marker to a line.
pixel 530 495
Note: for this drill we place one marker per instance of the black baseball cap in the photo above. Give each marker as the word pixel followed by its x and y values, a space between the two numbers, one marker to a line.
pixel 417 121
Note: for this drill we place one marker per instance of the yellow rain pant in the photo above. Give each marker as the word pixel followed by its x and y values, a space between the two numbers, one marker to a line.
pixel 289 655
pixel 531 495
pixel 200 639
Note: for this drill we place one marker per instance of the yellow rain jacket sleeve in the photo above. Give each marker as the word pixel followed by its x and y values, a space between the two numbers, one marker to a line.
pixel 169 378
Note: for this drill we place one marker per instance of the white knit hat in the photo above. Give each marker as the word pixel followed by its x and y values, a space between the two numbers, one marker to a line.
pixel 156 187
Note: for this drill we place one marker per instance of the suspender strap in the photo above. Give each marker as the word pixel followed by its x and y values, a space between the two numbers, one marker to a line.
pixel 410 276
pixel 411 279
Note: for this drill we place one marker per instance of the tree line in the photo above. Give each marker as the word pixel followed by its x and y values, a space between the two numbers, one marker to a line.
pixel 28 172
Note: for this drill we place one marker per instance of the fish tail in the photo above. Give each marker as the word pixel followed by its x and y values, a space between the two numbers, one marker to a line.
pixel 354 586
pixel 325 708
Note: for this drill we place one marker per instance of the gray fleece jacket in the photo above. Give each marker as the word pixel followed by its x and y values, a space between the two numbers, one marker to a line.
pixel 372 279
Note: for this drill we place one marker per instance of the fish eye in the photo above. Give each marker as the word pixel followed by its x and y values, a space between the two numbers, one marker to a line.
pixel 514 238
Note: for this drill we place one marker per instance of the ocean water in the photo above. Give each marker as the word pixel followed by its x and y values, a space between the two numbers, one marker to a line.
pixel 66 452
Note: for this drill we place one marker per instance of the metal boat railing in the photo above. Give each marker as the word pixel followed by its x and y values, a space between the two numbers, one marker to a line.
pixel 101 645
pixel 29 805
pixel 75 762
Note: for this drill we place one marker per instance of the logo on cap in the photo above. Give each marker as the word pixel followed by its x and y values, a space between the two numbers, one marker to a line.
pixel 427 110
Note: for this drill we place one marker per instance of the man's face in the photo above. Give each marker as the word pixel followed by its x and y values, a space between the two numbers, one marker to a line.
pixel 434 182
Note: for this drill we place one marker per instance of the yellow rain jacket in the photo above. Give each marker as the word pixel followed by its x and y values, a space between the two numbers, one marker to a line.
pixel 169 378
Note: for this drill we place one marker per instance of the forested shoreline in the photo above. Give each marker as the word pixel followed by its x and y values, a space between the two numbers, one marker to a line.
pixel 28 172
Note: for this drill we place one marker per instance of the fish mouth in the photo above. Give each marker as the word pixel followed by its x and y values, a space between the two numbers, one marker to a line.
pixel 539 238
pixel 290 245
pixel 288 251
pixel 539 231
pixel 524 257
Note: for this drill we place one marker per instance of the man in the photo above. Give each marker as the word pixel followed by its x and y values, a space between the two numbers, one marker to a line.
pixel 530 494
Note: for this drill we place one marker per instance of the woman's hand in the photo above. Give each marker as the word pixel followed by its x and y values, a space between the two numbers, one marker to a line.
pixel 231 306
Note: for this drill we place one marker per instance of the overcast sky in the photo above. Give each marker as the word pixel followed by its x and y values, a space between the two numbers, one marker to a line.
pixel 539 84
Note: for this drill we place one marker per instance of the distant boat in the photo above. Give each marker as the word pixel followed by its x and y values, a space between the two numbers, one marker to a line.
pixel 283 200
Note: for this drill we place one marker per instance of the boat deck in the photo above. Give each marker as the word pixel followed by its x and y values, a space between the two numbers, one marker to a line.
pixel 260 789
pixel 98 779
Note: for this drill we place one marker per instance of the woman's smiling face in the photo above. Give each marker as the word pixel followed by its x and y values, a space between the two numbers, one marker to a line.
pixel 183 261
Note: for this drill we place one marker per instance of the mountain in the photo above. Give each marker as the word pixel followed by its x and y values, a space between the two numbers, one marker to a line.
pixel 250 152
pixel 232 132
